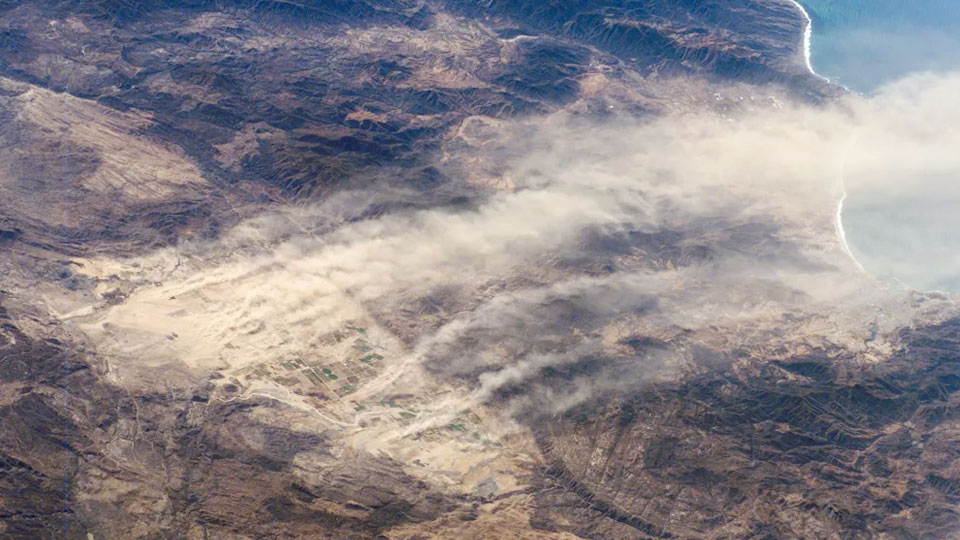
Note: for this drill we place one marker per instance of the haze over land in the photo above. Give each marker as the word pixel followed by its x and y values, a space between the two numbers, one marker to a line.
pixel 568 193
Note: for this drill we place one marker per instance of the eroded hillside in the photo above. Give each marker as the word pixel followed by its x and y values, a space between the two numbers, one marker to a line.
pixel 447 269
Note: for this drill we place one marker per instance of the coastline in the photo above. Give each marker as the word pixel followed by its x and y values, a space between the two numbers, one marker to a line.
pixel 841 233
pixel 808 40
pixel 807 57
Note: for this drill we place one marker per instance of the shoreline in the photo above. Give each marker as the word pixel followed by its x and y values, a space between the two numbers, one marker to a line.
pixel 841 233
pixel 808 41
pixel 838 217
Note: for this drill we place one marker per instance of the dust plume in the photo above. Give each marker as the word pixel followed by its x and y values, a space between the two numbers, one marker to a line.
pixel 611 253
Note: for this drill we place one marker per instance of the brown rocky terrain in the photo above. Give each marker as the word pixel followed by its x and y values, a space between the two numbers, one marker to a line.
pixel 263 276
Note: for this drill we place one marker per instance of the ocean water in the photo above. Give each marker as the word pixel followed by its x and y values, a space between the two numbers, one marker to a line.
pixel 908 230
pixel 863 44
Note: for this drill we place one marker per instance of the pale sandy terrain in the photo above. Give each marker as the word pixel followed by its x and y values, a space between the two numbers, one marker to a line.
pixel 130 164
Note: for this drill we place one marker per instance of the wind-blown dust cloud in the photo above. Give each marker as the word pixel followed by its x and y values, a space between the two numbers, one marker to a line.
pixel 903 178
pixel 615 253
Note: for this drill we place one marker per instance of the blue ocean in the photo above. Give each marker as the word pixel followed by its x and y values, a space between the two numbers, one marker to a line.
pixel 864 43
pixel 909 232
